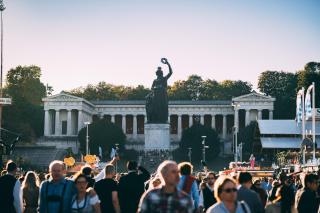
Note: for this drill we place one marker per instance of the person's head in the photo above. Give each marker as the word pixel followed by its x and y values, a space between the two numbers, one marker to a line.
pixel 169 172
pixel 109 171
pixel 283 178
pixel 11 167
pixel 31 180
pixel 57 170
pixel 159 72
pixel 86 170
pixel 311 182
pixel 225 189
pixel 211 178
pixel 81 182
pixel 257 183
pixel 132 165
pixel 245 179
pixel 185 168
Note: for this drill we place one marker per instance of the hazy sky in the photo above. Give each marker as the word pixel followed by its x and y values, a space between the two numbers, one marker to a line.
pixel 77 42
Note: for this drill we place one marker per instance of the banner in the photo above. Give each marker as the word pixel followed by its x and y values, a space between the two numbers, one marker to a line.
pixel 307 103
pixel 299 107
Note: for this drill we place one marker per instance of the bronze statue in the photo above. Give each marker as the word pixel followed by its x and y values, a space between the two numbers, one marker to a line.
pixel 157 100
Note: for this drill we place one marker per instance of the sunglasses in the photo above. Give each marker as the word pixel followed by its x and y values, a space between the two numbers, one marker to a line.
pixel 230 190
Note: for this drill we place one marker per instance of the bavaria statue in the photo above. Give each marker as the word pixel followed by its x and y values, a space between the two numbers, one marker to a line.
pixel 157 99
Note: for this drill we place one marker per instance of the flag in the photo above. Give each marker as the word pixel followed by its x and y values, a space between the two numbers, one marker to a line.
pixel 113 153
pixel 307 103
pixel 100 151
pixel 299 107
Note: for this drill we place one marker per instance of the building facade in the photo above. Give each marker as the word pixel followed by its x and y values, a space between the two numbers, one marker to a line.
pixel 65 115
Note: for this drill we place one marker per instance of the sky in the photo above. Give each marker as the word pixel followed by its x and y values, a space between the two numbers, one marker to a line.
pixel 80 42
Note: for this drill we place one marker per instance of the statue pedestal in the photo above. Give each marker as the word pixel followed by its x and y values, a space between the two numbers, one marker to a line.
pixel 157 136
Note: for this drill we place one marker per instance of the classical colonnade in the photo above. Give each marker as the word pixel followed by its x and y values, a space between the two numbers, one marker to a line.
pixel 67 122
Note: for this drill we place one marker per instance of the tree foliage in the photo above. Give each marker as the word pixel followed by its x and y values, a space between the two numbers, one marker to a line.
pixel 194 88
pixel 310 73
pixel 105 91
pixel 25 115
pixel 191 137
pixel 282 86
pixel 247 137
pixel 104 134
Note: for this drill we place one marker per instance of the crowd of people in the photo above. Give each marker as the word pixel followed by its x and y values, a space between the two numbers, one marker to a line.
pixel 172 188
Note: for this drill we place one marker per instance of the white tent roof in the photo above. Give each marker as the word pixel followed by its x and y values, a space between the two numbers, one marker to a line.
pixel 282 143
pixel 284 127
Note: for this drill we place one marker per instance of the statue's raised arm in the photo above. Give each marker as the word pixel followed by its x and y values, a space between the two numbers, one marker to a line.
pixel 165 61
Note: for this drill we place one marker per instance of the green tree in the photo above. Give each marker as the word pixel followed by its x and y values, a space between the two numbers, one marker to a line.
pixel 230 89
pixel 247 137
pixel 104 134
pixel 191 137
pixel 23 84
pixel 282 86
pixel 310 73
pixel 25 115
pixel 137 93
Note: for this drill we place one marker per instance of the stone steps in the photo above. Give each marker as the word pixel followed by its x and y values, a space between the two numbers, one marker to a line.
pixel 39 156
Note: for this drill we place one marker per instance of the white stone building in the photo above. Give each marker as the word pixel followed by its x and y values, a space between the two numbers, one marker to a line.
pixel 65 116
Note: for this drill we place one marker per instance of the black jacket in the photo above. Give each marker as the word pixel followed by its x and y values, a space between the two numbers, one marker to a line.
pixel 306 201
pixel 131 188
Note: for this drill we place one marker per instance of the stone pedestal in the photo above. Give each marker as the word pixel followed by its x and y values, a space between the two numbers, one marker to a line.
pixel 157 136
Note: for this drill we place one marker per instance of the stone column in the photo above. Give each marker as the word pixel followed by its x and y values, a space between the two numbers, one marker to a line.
pixel 224 127
pixel 236 119
pixel 57 123
pixel 134 126
pixel 213 121
pixel 259 114
pixel 270 114
pixel 46 123
pixel 247 119
pixel 179 126
pixel 190 120
pixel 124 127
pixel 202 119
pixel 69 122
pixel 80 120
pixel 113 118
pixel 168 119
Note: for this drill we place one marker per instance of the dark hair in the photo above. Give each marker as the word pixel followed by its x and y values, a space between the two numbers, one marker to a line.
pixel 185 168
pixel 86 170
pixel 244 177
pixel 11 166
pixel 132 165
pixel 310 178
pixel 79 175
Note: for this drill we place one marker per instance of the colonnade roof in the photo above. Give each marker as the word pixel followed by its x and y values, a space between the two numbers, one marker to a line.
pixel 173 102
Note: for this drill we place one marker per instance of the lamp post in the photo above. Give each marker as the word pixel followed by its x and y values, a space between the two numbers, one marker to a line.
pixel 189 153
pixel 204 147
pixel 116 154
pixel 87 137
pixel 235 132
pixel 2 8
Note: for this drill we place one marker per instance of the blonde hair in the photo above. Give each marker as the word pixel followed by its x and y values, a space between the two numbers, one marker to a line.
pixel 218 185
pixel 31 181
